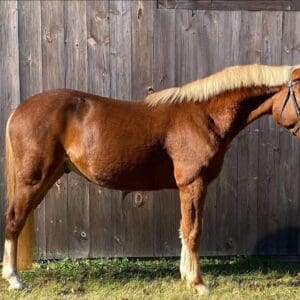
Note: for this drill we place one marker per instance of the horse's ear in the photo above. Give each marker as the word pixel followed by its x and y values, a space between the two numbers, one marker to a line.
pixel 296 74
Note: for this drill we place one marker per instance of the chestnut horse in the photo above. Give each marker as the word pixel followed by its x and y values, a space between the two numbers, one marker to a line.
pixel 176 138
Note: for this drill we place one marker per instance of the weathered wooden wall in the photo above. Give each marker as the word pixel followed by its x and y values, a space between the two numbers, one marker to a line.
pixel 125 49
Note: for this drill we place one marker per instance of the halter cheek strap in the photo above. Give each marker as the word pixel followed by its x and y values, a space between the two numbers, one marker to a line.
pixel 291 95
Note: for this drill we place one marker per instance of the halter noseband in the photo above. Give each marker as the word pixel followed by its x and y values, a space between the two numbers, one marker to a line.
pixel 291 95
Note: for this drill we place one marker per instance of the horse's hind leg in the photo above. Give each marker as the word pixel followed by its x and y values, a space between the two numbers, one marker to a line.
pixel 192 202
pixel 16 215
pixel 28 194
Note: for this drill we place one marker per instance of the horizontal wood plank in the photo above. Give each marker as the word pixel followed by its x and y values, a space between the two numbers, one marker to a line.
pixel 287 5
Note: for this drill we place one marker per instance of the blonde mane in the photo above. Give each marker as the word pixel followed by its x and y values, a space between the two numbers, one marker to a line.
pixel 229 79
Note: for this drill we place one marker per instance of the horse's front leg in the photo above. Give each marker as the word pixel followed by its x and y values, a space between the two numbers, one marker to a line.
pixel 192 201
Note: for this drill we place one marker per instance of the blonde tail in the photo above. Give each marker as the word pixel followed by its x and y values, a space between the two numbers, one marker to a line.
pixel 26 238
pixel 9 159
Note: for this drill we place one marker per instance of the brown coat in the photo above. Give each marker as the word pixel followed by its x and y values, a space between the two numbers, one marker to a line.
pixel 129 146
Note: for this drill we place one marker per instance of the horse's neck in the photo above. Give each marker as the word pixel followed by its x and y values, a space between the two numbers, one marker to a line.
pixel 234 110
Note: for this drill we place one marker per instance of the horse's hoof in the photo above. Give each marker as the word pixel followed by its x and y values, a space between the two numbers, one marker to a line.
pixel 202 290
pixel 15 283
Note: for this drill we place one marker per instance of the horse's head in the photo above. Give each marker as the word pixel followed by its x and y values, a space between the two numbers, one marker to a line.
pixel 286 105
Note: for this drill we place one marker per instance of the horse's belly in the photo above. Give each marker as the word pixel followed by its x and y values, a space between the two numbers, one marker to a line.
pixel 145 173
pixel 136 178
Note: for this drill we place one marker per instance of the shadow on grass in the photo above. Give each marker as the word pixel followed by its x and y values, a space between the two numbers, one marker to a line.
pixel 132 269
pixel 254 264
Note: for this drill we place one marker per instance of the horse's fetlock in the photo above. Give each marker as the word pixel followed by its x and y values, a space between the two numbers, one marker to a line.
pixel 7 272
pixel 191 244
pixel 10 233
pixel 194 245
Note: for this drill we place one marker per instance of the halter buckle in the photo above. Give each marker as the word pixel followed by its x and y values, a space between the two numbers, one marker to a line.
pixel 296 128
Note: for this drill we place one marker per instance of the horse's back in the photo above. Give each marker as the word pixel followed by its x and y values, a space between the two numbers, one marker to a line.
pixel 61 107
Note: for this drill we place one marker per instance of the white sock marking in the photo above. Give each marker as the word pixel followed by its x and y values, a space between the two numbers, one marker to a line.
pixel 9 272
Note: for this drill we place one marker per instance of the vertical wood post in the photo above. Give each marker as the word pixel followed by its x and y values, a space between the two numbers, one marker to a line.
pixel 9 88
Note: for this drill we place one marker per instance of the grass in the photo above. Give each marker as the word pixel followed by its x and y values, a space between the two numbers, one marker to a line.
pixel 237 278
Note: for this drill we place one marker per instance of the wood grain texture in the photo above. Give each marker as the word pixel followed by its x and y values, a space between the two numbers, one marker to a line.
pixel 207 51
pixel 227 241
pixel 138 206
pixel 124 49
pixel 120 87
pixel 76 78
pixel 98 46
pixel 166 214
pixel 295 5
pixel 268 159
pixel 254 5
pixel 9 88
pixel 53 56
pixel 120 49
pixel 247 151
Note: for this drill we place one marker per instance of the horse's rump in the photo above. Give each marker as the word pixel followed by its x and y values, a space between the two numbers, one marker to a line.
pixel 114 144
